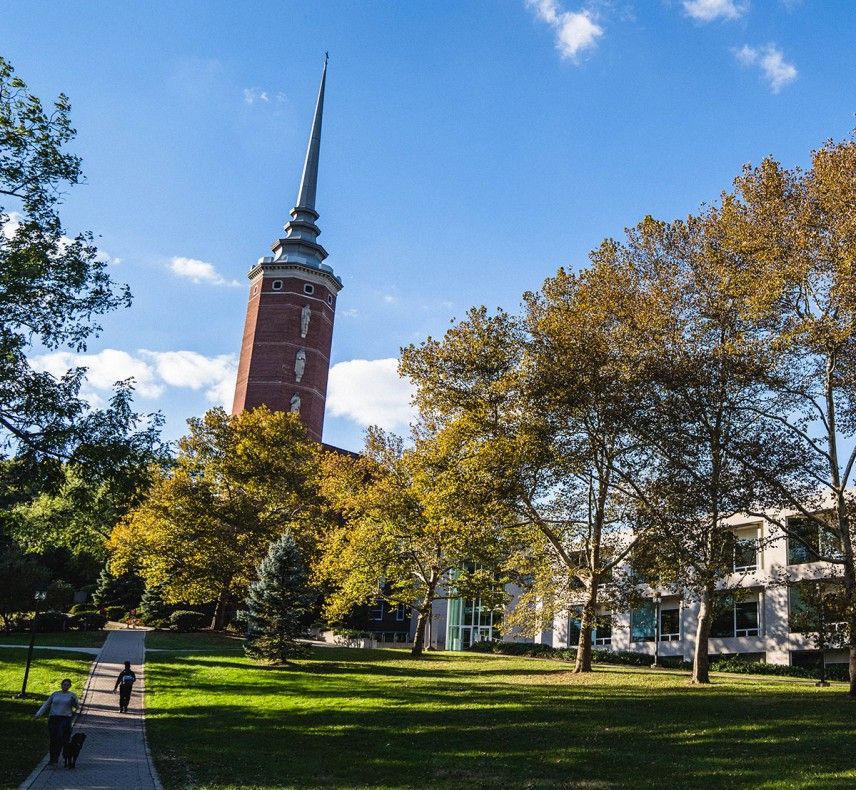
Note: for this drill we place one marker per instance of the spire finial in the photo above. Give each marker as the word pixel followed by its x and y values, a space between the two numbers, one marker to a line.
pixel 309 179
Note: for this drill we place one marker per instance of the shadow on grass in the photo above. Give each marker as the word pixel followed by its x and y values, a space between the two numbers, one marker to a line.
pixel 383 721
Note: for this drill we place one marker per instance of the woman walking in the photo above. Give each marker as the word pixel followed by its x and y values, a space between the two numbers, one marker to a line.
pixel 59 706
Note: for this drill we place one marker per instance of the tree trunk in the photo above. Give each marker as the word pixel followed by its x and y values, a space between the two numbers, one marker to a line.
pixel 587 621
pixel 419 636
pixel 701 664
pixel 218 622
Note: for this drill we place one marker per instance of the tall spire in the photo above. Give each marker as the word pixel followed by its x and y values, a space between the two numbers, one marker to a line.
pixel 300 244
pixel 309 179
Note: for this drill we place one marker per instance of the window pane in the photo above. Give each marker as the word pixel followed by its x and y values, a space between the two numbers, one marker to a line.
pixel 642 623
pixel 723 617
pixel 803 543
pixel 573 629
pixel 603 629
pixel 745 554
pixel 670 621
pixel 746 616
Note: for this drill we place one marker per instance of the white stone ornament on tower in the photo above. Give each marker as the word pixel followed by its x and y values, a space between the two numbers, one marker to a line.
pixel 299 365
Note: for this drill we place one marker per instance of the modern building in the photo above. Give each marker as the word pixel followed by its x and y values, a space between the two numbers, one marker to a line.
pixel 288 331
pixel 759 617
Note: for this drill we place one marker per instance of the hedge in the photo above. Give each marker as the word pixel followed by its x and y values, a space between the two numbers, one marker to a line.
pixel 184 620
pixel 87 621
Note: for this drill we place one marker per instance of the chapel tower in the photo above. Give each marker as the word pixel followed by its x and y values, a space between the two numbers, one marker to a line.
pixel 285 352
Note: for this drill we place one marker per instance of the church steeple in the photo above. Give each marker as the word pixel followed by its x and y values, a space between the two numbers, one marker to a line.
pixel 309 179
pixel 288 331
pixel 300 244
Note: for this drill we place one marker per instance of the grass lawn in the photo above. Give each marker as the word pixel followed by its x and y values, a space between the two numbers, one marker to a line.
pixel 202 641
pixel 61 638
pixel 23 739
pixel 358 719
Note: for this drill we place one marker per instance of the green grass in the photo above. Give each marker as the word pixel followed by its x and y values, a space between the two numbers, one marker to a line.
pixel 24 739
pixel 59 639
pixel 203 642
pixel 359 719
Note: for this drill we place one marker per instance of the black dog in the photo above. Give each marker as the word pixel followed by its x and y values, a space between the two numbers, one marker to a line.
pixel 72 749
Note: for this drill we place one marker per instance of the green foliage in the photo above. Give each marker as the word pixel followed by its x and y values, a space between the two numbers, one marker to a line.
pixel 51 621
pixel 237 484
pixel 60 595
pixel 278 603
pixel 125 590
pixel 80 608
pixel 21 577
pixel 116 613
pixel 87 621
pixel 187 620
pixel 153 610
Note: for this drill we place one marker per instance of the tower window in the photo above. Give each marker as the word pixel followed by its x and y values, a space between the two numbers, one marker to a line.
pixel 276 285
pixel 330 299
pixel 308 288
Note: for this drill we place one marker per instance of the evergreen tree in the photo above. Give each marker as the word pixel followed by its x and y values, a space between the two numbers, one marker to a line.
pixel 153 608
pixel 277 603
pixel 123 590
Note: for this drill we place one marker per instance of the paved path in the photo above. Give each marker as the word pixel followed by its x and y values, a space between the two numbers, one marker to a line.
pixel 115 755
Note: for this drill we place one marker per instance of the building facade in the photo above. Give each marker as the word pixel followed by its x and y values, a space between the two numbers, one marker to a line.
pixel 288 330
pixel 760 615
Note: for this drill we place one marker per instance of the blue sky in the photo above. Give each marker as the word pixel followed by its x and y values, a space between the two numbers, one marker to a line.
pixel 468 150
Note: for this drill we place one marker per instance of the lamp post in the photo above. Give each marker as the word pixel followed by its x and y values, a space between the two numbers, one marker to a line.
pixel 39 597
pixel 657 599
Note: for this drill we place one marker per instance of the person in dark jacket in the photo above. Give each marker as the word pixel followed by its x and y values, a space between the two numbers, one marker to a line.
pixel 59 706
pixel 124 683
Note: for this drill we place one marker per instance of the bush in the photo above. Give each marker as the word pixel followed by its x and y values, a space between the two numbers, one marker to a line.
pixel 51 621
pixel 744 666
pixel 80 608
pixel 184 620
pixel 116 613
pixel 60 595
pixel 87 621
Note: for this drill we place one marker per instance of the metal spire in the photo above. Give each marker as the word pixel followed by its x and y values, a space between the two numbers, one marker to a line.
pixel 309 179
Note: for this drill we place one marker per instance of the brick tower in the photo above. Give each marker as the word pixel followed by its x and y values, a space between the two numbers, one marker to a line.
pixel 285 352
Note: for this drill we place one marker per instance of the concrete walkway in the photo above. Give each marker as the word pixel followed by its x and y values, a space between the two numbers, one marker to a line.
pixel 115 754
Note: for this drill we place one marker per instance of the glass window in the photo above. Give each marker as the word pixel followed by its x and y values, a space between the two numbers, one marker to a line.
pixel 745 554
pixel 308 288
pixel 376 611
pixel 602 634
pixel 276 285
pixel 746 618
pixel 803 542
pixel 643 621
pixel 723 617
pixel 670 624
pixel 574 627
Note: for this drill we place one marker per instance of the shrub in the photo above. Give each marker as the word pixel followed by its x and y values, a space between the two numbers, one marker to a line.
pixel 80 608
pixel 51 621
pixel 116 613
pixel 184 620
pixel 60 595
pixel 87 621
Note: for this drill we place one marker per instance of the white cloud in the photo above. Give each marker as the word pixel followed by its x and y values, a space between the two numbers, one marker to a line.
pixel 709 10
pixel 194 371
pixel 152 371
pixel 575 30
pixel 370 392
pixel 199 272
pixel 104 369
pixel 252 95
pixel 772 63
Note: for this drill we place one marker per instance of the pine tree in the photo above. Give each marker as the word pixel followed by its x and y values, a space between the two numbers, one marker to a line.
pixel 277 602
pixel 153 608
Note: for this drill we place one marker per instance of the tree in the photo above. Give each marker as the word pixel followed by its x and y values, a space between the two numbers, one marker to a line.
pixel 238 482
pixel 277 603
pixel 125 590
pixel 20 577
pixel 536 403
pixel 403 531
pixel 153 609
pixel 792 234
pixel 52 287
